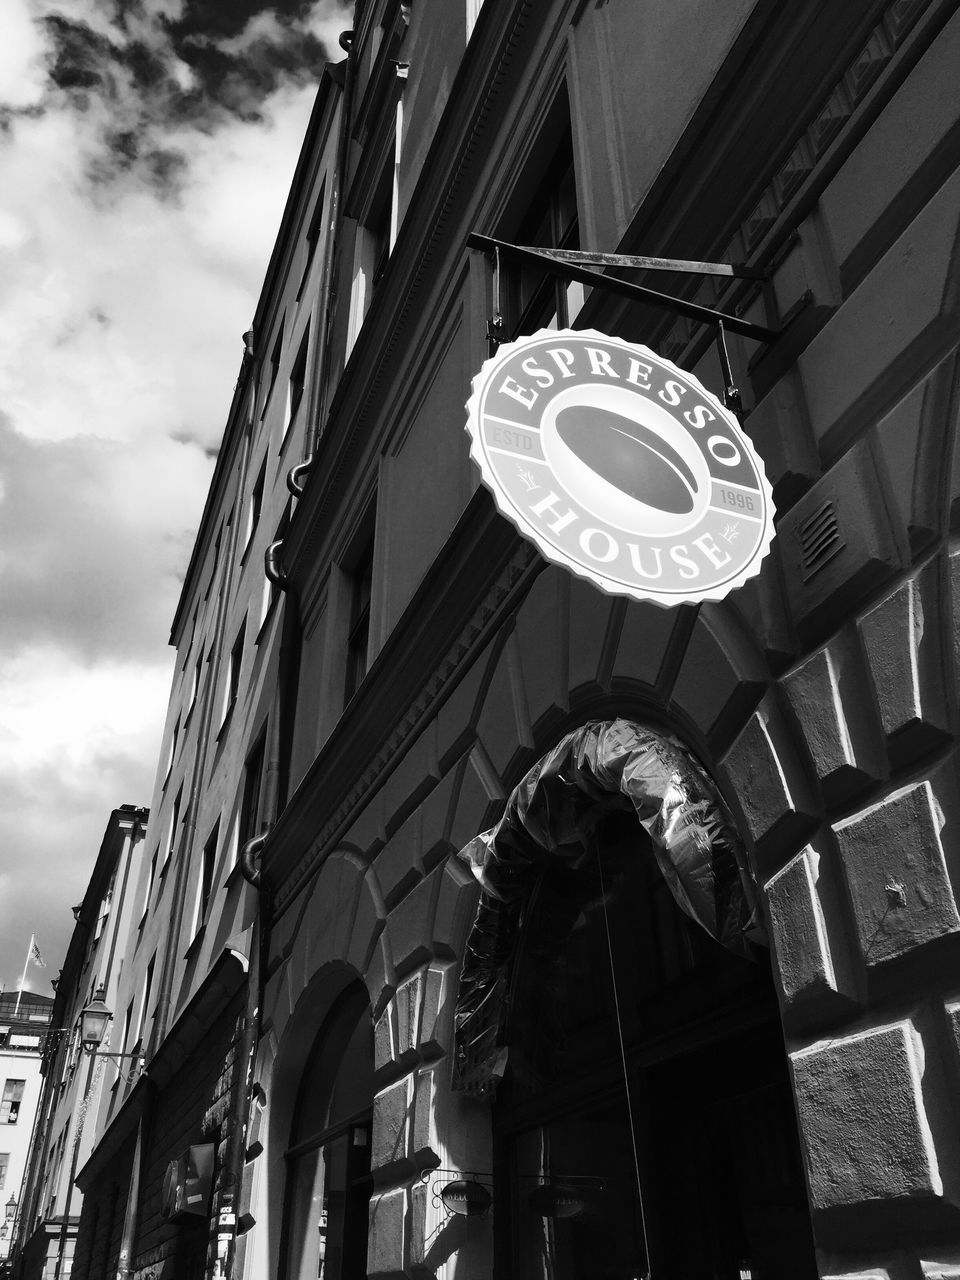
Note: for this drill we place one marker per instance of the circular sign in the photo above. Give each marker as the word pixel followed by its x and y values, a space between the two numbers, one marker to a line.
pixel 620 466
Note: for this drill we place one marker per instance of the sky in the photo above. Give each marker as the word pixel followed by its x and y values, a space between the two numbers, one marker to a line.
pixel 146 150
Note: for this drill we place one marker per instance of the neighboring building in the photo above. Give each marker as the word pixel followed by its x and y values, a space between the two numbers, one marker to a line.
pixel 635 1098
pixel 75 1082
pixel 182 997
pixel 24 1024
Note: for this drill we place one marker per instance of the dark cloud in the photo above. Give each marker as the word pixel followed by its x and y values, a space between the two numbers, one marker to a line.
pixel 135 76
pixel 80 56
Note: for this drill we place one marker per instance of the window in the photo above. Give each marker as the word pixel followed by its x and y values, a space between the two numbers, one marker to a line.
pixel 4 1165
pixel 145 1000
pixel 473 13
pixel 10 1103
pixel 174 825
pixel 233 843
pixel 205 883
pixel 103 913
pixel 374 242
pixel 298 380
pixel 20 1041
pixel 73 1056
pixel 151 877
pixel 195 683
pixel 255 506
pixel 193 632
pixel 216 563
pixel 377 230
pixel 358 635
pixel 232 686
pixel 173 748
pixel 127 1023
pixel 536 300
pixel 314 233
pixel 274 367
pixel 250 801
pixel 328 1160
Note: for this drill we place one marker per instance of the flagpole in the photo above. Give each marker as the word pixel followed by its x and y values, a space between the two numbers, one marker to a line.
pixel 23 977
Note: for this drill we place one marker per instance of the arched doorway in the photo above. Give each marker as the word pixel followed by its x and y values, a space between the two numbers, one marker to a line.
pixel 327 1186
pixel 643 1120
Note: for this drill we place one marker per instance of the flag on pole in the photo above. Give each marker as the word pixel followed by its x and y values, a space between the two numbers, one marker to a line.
pixel 35 955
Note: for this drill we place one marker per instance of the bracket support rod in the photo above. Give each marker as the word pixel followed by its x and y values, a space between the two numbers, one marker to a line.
pixel 639 262
pixel 691 310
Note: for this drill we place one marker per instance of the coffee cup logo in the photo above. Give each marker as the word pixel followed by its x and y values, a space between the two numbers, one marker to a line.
pixel 620 466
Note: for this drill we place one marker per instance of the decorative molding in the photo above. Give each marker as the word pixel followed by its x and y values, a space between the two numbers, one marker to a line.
pixel 849 93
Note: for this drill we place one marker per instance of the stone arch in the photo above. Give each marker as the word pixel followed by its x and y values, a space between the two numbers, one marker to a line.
pixel 552 814
pixel 332 938
pixel 572 653
pixel 281 1068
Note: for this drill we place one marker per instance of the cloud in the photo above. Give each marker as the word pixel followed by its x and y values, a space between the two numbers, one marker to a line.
pixel 136 71
pixel 54 784
pixel 147 148
pixel 110 531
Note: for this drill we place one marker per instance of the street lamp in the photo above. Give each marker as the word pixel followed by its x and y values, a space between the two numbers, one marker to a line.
pixel 11 1209
pixel 94 1020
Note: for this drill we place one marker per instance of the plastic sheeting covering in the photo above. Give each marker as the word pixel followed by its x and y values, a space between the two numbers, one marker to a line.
pixel 553 813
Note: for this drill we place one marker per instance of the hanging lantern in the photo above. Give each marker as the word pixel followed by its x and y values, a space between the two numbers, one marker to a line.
pixel 467 1197
pixel 94 1020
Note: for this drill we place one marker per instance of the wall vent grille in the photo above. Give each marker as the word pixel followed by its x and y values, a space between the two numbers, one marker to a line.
pixel 820 539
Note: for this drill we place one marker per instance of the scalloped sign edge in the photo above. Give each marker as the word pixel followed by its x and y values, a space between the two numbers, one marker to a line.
pixel 586 556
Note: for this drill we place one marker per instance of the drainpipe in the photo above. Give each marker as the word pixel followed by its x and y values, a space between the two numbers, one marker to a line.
pixel 273 801
pixel 131 1216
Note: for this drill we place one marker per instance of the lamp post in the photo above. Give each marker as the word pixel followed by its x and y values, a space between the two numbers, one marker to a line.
pixel 11 1210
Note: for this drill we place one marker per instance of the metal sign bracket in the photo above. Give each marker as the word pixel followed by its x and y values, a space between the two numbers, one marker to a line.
pixel 575 263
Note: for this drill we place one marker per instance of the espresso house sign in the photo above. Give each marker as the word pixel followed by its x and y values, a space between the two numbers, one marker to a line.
pixel 620 466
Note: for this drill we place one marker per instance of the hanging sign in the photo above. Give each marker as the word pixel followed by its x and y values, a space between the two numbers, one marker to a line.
pixel 620 466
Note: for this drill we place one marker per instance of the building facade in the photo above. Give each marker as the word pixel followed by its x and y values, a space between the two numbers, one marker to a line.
pixel 192 952
pixel 74 1083
pixel 384 1024
pixel 24 1024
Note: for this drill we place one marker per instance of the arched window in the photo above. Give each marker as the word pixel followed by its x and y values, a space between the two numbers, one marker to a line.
pixel 328 1159
pixel 643 1119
